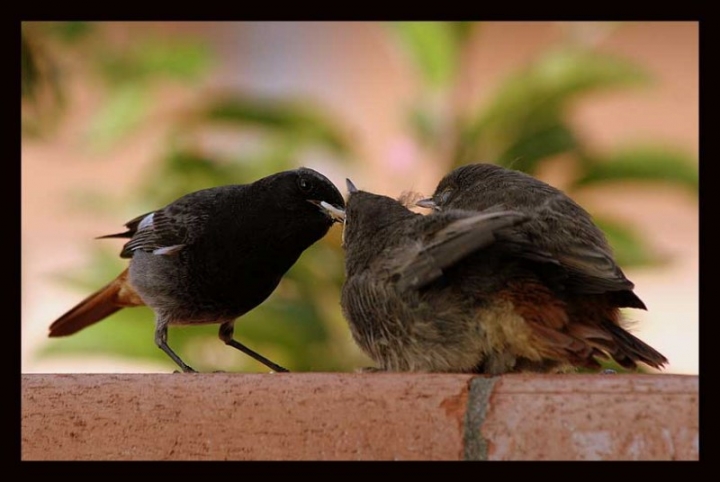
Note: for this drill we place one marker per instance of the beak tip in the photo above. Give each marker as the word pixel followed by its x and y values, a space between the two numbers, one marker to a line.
pixel 337 215
pixel 427 203
pixel 350 186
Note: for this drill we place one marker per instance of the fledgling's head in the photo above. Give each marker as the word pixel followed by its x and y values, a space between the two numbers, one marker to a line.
pixel 366 214
pixel 470 178
pixel 480 185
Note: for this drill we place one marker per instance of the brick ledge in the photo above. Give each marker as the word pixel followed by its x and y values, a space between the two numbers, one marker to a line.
pixel 325 416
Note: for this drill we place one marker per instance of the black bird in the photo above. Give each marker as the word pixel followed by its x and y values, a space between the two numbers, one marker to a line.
pixel 477 291
pixel 213 255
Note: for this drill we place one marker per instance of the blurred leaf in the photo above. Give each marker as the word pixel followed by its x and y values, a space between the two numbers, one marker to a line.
pixel 177 59
pixel 423 125
pixel 70 31
pixel 29 75
pixel 532 147
pixel 41 93
pixel 299 119
pixel 462 30
pixel 182 171
pixel 628 247
pixel 642 163
pixel 536 97
pixel 185 169
pixel 122 112
pixel 434 47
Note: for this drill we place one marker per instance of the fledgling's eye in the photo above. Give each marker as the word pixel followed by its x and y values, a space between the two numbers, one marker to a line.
pixel 445 196
pixel 304 184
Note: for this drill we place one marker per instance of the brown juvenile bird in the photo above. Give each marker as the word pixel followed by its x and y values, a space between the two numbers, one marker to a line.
pixel 484 291
pixel 213 255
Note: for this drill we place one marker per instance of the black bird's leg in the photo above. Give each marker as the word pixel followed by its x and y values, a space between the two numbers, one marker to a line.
pixel 226 335
pixel 161 341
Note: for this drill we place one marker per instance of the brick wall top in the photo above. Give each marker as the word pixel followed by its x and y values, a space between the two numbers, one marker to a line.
pixel 323 416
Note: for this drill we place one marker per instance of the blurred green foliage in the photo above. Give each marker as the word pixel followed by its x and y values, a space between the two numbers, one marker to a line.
pixel 527 121
pixel 525 124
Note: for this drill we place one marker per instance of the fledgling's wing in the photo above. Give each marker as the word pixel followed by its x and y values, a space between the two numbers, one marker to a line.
pixel 560 232
pixel 450 244
pixel 587 261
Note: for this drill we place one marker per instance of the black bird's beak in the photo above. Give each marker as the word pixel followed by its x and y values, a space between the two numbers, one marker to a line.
pixel 335 213
pixel 427 203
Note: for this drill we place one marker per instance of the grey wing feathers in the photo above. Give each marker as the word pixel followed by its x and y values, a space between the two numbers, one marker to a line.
pixel 168 230
pixel 131 225
pixel 451 244
pixel 158 233
pixel 585 257
pixel 593 271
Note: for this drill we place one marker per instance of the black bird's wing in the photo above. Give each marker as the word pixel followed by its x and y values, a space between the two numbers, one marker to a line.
pixel 159 233
pixel 165 231
pixel 131 225
pixel 451 243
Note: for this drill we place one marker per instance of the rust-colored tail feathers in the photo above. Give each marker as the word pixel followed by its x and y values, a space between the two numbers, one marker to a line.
pixel 116 295
pixel 628 349
pixel 625 348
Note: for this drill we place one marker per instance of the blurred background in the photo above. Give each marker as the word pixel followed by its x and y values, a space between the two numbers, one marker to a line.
pixel 120 118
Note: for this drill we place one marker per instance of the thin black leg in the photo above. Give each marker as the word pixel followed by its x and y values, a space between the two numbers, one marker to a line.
pixel 161 341
pixel 226 335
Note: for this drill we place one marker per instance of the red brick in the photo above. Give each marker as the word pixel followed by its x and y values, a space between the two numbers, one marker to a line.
pixel 243 416
pixel 359 417
pixel 593 417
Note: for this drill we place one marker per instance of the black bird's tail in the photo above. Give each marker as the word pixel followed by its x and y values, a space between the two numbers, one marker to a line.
pixel 96 307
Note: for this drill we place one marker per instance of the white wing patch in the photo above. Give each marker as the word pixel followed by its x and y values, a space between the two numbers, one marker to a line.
pixel 167 250
pixel 147 222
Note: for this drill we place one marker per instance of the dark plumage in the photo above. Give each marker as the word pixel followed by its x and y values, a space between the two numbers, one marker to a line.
pixel 213 255
pixel 522 282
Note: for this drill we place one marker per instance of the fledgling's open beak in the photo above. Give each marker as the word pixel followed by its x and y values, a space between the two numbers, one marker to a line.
pixel 427 203
pixel 335 213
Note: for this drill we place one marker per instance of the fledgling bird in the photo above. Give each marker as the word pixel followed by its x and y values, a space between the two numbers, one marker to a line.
pixel 479 291
pixel 213 255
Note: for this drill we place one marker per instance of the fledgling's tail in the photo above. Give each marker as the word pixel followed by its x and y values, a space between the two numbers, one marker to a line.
pixel 116 295
pixel 629 349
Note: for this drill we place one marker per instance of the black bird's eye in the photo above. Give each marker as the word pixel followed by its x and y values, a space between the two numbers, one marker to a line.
pixel 304 184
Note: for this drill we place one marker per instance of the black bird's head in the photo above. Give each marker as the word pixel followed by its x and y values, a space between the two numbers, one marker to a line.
pixel 321 193
pixel 308 194
pixel 303 202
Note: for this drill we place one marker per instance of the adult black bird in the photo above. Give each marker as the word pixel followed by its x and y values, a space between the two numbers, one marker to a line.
pixel 478 291
pixel 213 255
